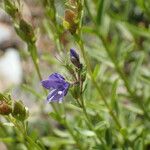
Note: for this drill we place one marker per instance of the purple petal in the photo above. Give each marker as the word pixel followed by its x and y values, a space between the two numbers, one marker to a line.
pixel 58 86
pixel 66 87
pixel 54 81
pixel 46 83
pixel 52 84
pixel 56 76
pixel 55 95
pixel 74 54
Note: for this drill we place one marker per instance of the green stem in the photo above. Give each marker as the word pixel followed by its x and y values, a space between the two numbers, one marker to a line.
pixel 70 130
pixel 101 93
pixel 89 121
pixel 32 143
pixel 134 97
pixel 33 50
pixel 22 129
pixel 73 136
pixel 33 53
pixel 117 68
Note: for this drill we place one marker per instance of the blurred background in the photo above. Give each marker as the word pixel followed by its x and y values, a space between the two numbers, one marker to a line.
pixel 125 23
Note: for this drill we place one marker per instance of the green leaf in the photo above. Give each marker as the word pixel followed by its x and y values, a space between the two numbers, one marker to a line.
pixel 124 31
pixel 52 141
pixel 138 30
pixel 60 133
pixel 100 12
pixel 8 124
pixel 96 71
pixel 146 79
pixel 87 133
pixel 133 109
pixel 87 29
pixel 73 107
pixel 54 116
pixel 136 70
pixel 2 97
pixel 114 96
pixel 138 145
pixel 123 131
pixel 108 137
pixel 7 140
pixel 101 125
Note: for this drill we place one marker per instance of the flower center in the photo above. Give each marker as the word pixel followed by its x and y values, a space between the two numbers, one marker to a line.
pixel 59 92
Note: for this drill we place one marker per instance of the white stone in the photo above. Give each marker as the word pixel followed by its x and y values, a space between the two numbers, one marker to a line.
pixel 10 69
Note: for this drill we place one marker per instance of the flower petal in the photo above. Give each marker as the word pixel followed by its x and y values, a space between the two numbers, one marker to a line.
pixel 55 95
pixel 74 54
pixel 66 87
pixel 46 83
pixel 52 83
pixel 56 76
pixel 58 86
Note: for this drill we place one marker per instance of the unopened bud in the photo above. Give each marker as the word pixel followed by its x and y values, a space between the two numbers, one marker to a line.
pixel 10 8
pixel 5 109
pixel 20 112
pixel 70 21
pixel 74 58
pixel 25 31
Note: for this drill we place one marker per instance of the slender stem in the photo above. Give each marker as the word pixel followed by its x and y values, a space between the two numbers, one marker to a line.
pixel 81 45
pixel 32 48
pixel 37 69
pixel 80 42
pixel 79 103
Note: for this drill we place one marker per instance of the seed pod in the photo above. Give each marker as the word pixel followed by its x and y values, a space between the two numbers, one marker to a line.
pixel 5 109
pixel 19 111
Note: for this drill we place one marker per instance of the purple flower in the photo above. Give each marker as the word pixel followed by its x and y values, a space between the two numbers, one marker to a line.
pixel 74 57
pixel 58 87
pixel 73 54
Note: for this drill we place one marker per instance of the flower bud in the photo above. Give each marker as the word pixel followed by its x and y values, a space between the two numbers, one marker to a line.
pixel 19 111
pixel 70 21
pixel 5 109
pixel 10 8
pixel 25 31
pixel 74 57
